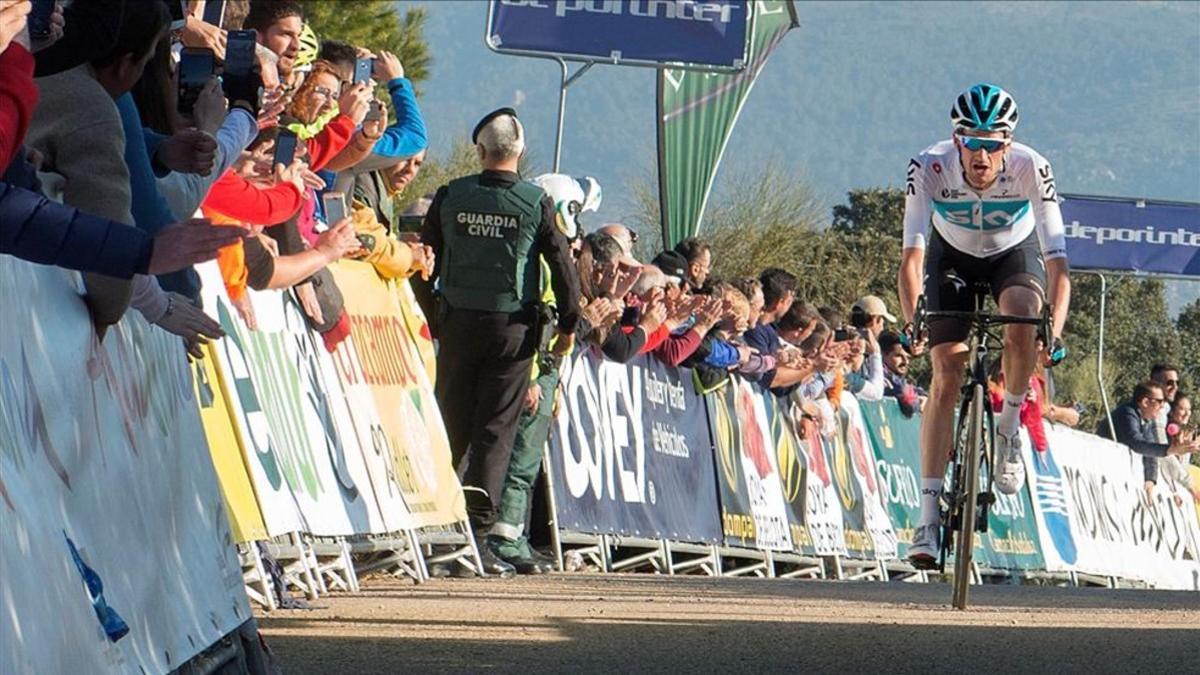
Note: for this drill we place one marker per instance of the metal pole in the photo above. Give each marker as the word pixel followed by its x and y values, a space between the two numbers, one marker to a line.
pixel 566 80
pixel 1100 357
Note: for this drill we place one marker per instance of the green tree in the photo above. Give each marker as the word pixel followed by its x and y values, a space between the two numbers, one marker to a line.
pixel 376 25
pixel 1188 325
pixel 871 210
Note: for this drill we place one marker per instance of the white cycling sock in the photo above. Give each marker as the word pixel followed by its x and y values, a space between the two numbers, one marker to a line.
pixel 931 489
pixel 1010 414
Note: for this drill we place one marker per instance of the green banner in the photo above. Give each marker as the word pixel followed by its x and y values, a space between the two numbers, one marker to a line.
pixel 696 114
pixel 897 443
pixel 1011 541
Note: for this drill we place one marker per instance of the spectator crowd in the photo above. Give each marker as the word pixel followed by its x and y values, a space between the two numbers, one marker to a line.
pixel 290 152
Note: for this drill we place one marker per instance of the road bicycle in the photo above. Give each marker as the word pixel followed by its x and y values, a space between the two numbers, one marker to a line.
pixel 964 507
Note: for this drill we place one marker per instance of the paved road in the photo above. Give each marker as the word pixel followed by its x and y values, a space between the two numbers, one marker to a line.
pixel 584 623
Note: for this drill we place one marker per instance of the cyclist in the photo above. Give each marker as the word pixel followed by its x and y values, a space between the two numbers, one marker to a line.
pixel 995 221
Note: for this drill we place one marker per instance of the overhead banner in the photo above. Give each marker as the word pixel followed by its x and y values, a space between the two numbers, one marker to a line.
pixel 753 507
pixel 696 114
pixel 115 552
pixel 630 452
pixel 1132 235
pixel 646 32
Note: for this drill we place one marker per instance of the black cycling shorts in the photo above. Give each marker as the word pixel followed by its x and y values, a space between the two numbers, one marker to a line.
pixel 953 279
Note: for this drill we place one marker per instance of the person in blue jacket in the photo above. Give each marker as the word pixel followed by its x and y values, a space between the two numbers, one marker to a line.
pixel 36 229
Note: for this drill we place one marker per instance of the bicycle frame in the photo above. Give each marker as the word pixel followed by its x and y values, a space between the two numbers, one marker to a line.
pixel 965 507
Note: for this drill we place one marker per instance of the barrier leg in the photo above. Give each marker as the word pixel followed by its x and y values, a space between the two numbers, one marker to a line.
pixel 306 570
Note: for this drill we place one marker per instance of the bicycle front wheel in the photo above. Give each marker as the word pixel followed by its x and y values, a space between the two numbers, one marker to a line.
pixel 970 456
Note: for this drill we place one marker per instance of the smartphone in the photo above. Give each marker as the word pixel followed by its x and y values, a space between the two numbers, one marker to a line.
pixel 240 49
pixel 335 207
pixel 240 58
pixel 178 14
pixel 362 70
pixel 214 12
pixel 285 148
pixel 843 334
pixel 376 111
pixel 39 18
pixel 196 66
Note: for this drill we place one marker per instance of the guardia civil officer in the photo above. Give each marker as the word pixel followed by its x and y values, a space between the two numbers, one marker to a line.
pixel 487 231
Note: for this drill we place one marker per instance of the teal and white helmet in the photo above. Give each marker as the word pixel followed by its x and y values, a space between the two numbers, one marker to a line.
pixel 984 107
pixel 572 196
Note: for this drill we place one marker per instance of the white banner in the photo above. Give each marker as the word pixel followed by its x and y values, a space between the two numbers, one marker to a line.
pixel 1094 515
pixel 824 521
pixel 879 525
pixel 104 476
pixel 304 455
pixel 761 471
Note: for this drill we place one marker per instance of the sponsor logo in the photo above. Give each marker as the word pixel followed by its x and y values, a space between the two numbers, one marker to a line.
pixel 937 168
pixel 953 193
pixel 982 215
pixel 1052 501
pixel 609 458
pixel 684 10
pixel 791 468
pixel 1132 235
pixel 1046 179
pixel 910 186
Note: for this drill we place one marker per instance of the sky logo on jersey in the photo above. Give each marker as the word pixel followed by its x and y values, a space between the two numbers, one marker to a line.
pixel 986 216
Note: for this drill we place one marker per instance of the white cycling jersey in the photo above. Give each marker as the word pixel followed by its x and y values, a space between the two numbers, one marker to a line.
pixel 1021 200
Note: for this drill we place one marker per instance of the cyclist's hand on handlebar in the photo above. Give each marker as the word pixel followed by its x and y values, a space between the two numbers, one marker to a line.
pixel 913 343
pixel 1056 353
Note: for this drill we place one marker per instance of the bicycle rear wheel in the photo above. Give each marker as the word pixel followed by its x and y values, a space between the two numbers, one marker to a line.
pixel 970 455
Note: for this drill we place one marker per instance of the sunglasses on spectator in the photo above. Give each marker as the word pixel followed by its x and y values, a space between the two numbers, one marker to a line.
pixel 1157 401
pixel 987 144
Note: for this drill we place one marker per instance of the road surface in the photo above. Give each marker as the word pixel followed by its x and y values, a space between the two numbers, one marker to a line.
pixel 590 623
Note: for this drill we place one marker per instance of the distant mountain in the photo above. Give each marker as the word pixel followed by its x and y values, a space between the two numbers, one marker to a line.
pixel 1109 92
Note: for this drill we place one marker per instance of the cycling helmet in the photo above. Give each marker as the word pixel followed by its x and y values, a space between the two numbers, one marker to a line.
pixel 984 107
pixel 310 46
pixel 572 196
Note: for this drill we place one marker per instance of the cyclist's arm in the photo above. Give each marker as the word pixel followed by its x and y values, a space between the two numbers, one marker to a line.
pixel 1052 238
pixel 916 230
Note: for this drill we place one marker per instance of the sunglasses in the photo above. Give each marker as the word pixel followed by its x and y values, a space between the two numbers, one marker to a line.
pixel 974 143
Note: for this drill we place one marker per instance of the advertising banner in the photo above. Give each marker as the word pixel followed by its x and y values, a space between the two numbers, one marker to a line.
pixel 753 508
pixel 793 470
pixel 1095 516
pixel 896 440
pixel 406 422
pixel 1132 235
pixel 855 459
pixel 226 450
pixel 1013 540
pixel 630 452
pixel 305 475
pixel 696 115
pixel 115 550
pixel 647 32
